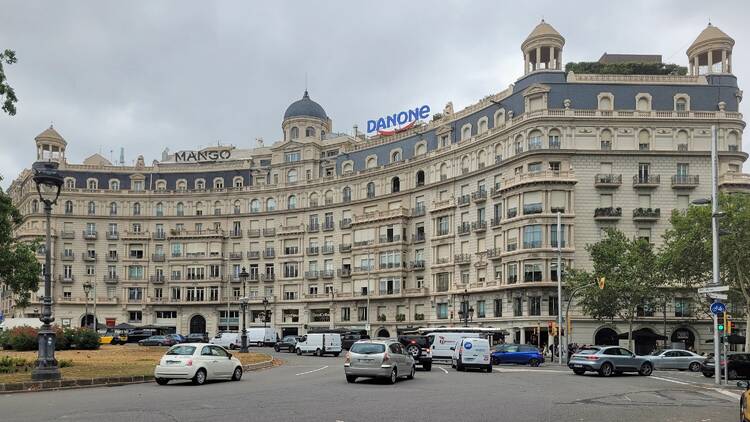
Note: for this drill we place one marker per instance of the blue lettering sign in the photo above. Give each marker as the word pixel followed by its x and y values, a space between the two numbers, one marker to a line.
pixel 392 123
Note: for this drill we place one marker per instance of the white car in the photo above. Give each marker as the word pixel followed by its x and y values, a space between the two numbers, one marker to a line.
pixel 471 353
pixel 197 362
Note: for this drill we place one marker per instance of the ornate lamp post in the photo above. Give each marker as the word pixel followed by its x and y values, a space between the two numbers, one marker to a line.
pixel 265 312
pixel 243 306
pixel 48 184
pixel 466 312
pixel 87 289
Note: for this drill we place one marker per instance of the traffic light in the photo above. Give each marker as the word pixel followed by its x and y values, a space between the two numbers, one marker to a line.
pixel 601 281
pixel 553 332
pixel 728 327
pixel 721 320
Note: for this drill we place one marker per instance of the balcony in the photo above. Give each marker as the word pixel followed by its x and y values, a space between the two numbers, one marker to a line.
pixel 646 214
pixel 65 279
pixel 360 243
pixel 67 257
pixel 327 249
pixel 328 226
pixel 494 253
pixel 113 257
pixel 646 180
pixel 553 176
pixel 463 200
pixel 389 239
pixel 445 260
pixel 327 274
pixel 479 196
pixel 196 233
pixel 369 217
pixel 293 229
pixel 606 180
pixel 462 258
pixel 313 250
pixel 235 256
pixel 269 232
pixel 530 209
pixel 268 278
pixel 511 213
pixel 253 254
pixel 684 181
pixel 479 226
pixel 345 247
pixel 291 250
pixel 417 265
pixel 344 272
pixel 313 227
pixel 89 235
pixel 253 232
pixel 345 223
pixel 68 235
pixel 463 228
pixel 443 204
pixel 253 278
pixel 235 234
pixel 418 211
pixel 113 235
pixel 496 190
pixel 156 279
pixel 389 265
pixel 312 275
pixel 89 256
pixel 136 235
pixel 607 213
pixel 159 235
pixel 269 253
pixel 418 237
pixel 495 222
pixel 158 257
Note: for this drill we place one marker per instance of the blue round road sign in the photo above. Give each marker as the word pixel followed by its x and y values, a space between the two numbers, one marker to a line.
pixel 718 307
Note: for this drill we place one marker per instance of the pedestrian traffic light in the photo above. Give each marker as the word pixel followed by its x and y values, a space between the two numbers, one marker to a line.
pixel 721 320
pixel 601 281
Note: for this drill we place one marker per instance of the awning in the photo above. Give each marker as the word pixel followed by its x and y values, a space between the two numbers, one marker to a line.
pixel 733 339
pixel 642 333
pixel 123 326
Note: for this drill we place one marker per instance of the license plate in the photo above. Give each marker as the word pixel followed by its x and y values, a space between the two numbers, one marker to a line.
pixel 173 362
pixel 577 366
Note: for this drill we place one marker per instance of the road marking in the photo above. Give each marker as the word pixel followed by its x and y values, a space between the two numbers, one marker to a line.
pixel 695 384
pixel 727 393
pixel 310 372
pixel 442 369
pixel 670 380
pixel 553 371
pixel 627 398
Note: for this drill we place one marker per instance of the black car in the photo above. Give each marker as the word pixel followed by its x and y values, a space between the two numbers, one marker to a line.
pixel 738 366
pixel 287 343
pixel 347 339
pixel 197 338
pixel 419 348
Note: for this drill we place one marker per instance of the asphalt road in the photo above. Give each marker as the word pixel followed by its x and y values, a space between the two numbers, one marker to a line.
pixel 314 389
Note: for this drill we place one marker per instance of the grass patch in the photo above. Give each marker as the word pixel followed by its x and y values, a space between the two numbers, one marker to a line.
pixel 109 361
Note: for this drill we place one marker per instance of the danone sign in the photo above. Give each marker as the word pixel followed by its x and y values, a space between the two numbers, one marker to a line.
pixel 198 156
pixel 398 122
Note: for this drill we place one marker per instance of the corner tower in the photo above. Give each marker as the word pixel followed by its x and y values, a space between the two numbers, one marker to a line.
pixel 50 146
pixel 542 49
pixel 711 52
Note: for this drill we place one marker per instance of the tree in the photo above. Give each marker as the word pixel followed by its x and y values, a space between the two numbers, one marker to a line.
pixel 19 268
pixel 687 257
pixel 7 94
pixel 629 267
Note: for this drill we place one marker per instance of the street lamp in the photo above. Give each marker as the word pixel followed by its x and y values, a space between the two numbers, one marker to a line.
pixel 466 312
pixel 48 184
pixel 243 306
pixel 265 312
pixel 87 289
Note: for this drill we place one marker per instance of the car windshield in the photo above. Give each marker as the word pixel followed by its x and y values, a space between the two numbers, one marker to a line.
pixel 181 350
pixel 367 348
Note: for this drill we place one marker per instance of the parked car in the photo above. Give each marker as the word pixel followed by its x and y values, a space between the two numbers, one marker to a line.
pixel 197 338
pixel 419 347
pixel 157 341
pixel 522 354
pixel 472 352
pixel 378 359
pixel 744 409
pixel 319 344
pixel 198 362
pixel 136 335
pixel 608 360
pixel 676 359
pixel 347 339
pixel 738 366
pixel 227 340
pixel 287 343
pixel 178 338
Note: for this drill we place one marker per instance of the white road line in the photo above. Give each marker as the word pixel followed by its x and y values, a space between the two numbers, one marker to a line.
pixel 727 393
pixel 553 371
pixel 310 372
pixel 695 384
pixel 442 369
pixel 670 380
pixel 626 397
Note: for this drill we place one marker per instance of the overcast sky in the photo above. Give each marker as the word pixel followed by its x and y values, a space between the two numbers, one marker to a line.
pixel 154 74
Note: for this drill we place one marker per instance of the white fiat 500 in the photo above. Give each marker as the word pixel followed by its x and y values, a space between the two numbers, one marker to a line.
pixel 197 362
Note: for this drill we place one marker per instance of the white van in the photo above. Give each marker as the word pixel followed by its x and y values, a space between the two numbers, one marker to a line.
pixel 472 353
pixel 227 340
pixel 320 344
pixel 444 342
pixel 261 336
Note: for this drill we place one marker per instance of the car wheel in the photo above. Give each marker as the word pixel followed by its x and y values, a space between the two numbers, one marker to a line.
pixel 732 374
pixel 707 375
pixel 459 366
pixel 162 381
pixel 299 352
pixel 646 369
pixel 606 369
pixel 411 373
pixel 534 362
pixel 393 377
pixel 579 371
pixel 237 374
pixel 694 367
pixel 427 367
pixel 336 354
pixel 351 379
pixel 200 377
pixel 291 349
pixel 489 369
pixel 318 352
pixel 276 349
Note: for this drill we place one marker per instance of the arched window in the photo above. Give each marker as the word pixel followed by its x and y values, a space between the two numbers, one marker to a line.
pixel 535 140
pixel 159 209
pixel 180 209
pixel 217 208
pixel 219 183
pixel 395 185
pixel 519 144
pixel 499 118
pixel 161 185
pixel 113 208
pixel 291 176
pixel 553 139
pixel 443 171
pixel 181 185
pixel 313 200
pixel 68 207
pixel 236 208
pixel 310 132
pixel 238 182
pixel 346 195
pixel 465 165
pixel 329 197
pixel 644 139
pixel 92 208
pixel 498 153
pixel 420 149
pixel 70 183
pixel 606 140
pixel 34 206
pixel 482 125
pixel 481 159
pixel 643 102
pixel 255 205
pixel 681 104
pixel 137 209
pixel 466 132
pixel 91 184
pixel 200 184
pixel 294 133
pixel 420 178
pixel 114 184
pixel 291 202
pixel 395 156
pixel 347 168
pixel 372 162
pixel 605 101
pixel 271 204
pixel 199 208
pixel 733 143
pixel 371 190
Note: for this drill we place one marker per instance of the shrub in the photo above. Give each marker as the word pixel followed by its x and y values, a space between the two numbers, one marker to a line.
pixel 4 340
pixel 62 340
pixel 23 338
pixel 64 363
pixel 9 365
pixel 86 339
pixel 626 68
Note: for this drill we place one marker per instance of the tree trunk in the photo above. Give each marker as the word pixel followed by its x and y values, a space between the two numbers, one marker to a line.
pixel 630 334
pixel 747 328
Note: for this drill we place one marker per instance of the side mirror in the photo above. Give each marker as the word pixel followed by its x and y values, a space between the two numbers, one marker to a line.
pixel 743 384
pixel 229 355
pixel 453 348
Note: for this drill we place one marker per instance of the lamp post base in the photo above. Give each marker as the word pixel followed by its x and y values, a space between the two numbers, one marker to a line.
pixel 243 347
pixel 46 364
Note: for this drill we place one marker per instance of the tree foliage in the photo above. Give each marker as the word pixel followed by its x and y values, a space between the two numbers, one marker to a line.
pixel 625 68
pixel 7 94
pixel 19 268
pixel 632 278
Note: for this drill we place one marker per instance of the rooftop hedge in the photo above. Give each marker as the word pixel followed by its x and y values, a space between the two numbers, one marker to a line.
pixel 626 68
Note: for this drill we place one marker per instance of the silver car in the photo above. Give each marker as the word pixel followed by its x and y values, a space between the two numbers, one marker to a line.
pixel 676 359
pixel 608 360
pixel 378 359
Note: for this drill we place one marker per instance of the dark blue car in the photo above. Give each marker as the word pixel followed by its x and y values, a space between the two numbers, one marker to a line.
pixel 517 353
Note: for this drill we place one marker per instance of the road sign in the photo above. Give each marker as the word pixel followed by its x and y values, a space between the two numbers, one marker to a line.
pixel 713 289
pixel 718 296
pixel 718 307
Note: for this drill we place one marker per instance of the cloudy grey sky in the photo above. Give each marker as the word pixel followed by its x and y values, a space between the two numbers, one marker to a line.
pixel 145 75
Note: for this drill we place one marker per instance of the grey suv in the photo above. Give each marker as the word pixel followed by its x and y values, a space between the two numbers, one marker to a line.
pixel 608 360
pixel 378 359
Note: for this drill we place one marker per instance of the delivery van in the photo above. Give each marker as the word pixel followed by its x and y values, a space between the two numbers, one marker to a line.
pixel 320 344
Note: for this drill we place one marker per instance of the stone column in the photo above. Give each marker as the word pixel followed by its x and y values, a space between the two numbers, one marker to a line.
pixel 696 67
pixel 526 60
pixel 559 59
pixel 523 336
pixel 723 61
pixel 552 59
pixel 710 62
pixel 538 58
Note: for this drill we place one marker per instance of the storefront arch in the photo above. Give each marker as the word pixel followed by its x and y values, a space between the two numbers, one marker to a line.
pixel 606 336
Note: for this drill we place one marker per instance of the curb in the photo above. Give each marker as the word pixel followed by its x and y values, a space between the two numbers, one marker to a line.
pixel 70 384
